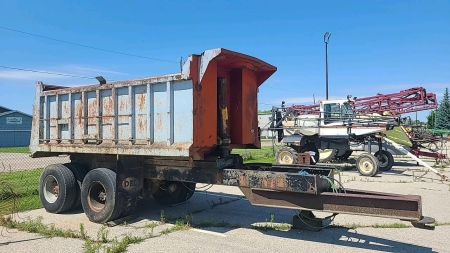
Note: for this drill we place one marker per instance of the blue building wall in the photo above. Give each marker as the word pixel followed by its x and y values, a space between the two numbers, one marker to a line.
pixel 15 130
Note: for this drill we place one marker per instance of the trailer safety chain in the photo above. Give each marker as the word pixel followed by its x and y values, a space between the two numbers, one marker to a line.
pixel 333 185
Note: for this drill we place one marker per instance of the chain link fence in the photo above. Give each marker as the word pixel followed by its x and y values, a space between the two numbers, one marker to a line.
pixel 19 179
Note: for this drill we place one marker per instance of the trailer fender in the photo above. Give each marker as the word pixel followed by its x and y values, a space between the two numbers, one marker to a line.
pixel 295 139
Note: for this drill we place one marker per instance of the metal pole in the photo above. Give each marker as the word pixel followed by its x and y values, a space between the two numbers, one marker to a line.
pixel 326 39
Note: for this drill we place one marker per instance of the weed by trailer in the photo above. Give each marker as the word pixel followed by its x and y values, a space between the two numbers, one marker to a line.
pixel 161 135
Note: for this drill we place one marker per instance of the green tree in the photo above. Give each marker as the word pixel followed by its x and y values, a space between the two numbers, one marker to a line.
pixel 431 119
pixel 264 111
pixel 443 113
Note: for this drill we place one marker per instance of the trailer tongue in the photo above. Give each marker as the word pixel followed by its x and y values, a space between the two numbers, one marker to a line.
pixel 300 187
pixel 161 135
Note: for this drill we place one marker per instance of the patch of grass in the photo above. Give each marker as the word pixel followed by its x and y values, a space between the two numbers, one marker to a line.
pixel 36 226
pixel 392 225
pixel 436 223
pixel 83 233
pixel 263 155
pixel 119 246
pixel 179 225
pixel 19 191
pixel 271 225
pixel 21 204
pixel 162 217
pixel 24 150
pixel 91 246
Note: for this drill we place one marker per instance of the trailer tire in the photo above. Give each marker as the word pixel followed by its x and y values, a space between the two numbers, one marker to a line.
pixel 79 171
pixel 286 155
pixel 327 155
pixel 57 188
pixel 99 197
pixel 183 191
pixel 385 159
pixel 367 165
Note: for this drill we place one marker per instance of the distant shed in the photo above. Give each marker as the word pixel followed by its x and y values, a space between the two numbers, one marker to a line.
pixel 264 124
pixel 15 128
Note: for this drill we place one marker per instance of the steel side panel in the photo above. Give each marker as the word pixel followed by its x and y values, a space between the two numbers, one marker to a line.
pixel 182 123
pixel 250 108
pixel 154 119
pixel 77 120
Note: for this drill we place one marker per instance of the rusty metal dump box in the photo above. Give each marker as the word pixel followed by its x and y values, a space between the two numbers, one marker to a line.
pixel 164 116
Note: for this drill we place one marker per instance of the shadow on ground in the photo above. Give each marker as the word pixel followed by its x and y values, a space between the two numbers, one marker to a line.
pixel 222 213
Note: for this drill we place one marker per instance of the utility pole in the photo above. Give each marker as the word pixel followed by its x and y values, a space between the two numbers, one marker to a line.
pixel 326 39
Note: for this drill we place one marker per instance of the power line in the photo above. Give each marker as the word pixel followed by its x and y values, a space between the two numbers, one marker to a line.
pixel 81 45
pixel 74 76
pixel 46 72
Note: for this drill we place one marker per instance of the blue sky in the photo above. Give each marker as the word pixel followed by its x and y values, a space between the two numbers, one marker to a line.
pixel 376 46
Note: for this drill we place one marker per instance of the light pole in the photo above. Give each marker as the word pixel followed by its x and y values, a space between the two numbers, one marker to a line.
pixel 326 39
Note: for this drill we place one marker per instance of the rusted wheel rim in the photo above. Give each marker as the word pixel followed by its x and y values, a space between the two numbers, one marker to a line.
pixel 51 189
pixel 366 165
pixel 97 196
pixel 285 157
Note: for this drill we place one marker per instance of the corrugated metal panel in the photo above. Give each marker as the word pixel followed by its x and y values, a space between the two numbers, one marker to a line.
pixel 15 129
pixel 145 119
pixel 14 138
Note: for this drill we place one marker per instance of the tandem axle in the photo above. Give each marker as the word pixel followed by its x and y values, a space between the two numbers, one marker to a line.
pixel 112 186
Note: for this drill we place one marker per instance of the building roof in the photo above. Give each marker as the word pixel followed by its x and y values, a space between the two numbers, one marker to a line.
pixel 11 112
pixel 4 109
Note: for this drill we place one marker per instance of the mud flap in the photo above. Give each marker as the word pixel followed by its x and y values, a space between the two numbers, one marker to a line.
pixel 130 180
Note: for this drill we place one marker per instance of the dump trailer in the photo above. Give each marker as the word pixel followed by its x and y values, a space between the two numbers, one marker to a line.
pixel 160 136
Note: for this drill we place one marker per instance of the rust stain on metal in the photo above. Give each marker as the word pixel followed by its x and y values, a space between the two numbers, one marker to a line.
pixel 79 113
pixel 118 84
pixel 159 122
pixel 66 109
pixel 122 106
pixel 219 178
pixel 108 106
pixel 141 126
pixel 243 180
pixel 281 182
pixel 141 98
